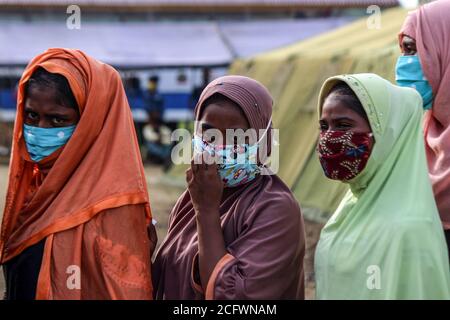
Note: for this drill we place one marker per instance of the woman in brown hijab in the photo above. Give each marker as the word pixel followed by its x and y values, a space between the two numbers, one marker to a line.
pixel 232 235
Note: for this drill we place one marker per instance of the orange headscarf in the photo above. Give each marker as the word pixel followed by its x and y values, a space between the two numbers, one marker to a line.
pixel 92 207
pixel 430 27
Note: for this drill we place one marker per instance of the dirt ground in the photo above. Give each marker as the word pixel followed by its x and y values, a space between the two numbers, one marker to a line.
pixel 163 195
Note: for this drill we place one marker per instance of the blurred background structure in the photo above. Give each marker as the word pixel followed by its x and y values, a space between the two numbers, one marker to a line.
pixel 168 50
pixel 183 44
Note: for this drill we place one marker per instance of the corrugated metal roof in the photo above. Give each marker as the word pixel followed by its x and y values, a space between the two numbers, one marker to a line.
pixel 119 44
pixel 250 38
pixel 158 44
pixel 207 3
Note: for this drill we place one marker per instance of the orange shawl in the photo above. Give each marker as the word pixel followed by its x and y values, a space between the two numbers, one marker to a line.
pixel 92 207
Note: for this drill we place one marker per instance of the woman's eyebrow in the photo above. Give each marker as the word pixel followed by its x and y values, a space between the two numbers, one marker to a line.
pixel 56 114
pixel 237 128
pixel 343 119
pixel 207 126
pixel 50 114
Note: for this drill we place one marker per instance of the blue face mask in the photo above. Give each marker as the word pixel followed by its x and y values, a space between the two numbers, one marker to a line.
pixel 42 142
pixel 238 163
pixel 409 73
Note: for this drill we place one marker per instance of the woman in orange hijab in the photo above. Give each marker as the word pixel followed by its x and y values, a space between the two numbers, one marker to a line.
pixel 77 209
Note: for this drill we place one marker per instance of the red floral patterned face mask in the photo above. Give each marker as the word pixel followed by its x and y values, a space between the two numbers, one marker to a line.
pixel 343 154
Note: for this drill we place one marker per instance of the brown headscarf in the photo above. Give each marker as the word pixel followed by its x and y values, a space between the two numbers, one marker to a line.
pixel 254 99
pixel 89 199
pixel 430 27
pixel 261 222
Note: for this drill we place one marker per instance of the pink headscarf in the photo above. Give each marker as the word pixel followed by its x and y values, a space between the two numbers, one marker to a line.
pixel 430 27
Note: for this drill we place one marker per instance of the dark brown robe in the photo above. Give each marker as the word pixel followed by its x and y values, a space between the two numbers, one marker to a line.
pixel 264 236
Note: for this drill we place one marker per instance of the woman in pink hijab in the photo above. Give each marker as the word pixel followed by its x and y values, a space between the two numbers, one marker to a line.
pixel 425 65
pixel 235 233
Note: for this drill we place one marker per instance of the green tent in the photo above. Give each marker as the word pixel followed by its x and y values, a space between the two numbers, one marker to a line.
pixel 294 75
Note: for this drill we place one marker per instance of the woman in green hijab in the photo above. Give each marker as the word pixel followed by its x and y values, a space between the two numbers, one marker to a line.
pixel 385 240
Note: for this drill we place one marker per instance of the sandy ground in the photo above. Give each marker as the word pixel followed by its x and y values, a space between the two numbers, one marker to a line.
pixel 163 196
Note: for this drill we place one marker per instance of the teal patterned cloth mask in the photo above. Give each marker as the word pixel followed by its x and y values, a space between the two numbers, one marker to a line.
pixel 237 164
pixel 409 73
pixel 42 142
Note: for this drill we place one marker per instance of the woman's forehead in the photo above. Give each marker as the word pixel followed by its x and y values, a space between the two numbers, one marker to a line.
pixel 224 114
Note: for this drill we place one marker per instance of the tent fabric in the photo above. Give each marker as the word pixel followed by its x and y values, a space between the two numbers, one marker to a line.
pixel 294 74
pixel 157 44
pixel 248 38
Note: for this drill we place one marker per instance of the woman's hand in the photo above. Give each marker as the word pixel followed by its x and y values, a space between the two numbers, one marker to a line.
pixel 205 188
pixel 204 184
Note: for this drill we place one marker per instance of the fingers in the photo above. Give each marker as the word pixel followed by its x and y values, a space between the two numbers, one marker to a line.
pixel 206 160
pixel 211 162
pixel 202 165
pixel 195 162
pixel 189 175
pixel 201 161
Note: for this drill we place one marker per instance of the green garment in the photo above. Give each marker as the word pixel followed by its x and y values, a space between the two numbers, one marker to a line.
pixel 385 240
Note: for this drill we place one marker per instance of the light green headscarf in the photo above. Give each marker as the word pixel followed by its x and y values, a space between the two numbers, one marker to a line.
pixel 385 240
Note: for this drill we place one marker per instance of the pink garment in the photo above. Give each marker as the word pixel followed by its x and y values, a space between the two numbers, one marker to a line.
pixel 430 27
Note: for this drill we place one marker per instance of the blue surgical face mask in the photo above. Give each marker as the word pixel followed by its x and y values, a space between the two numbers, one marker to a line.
pixel 238 163
pixel 42 142
pixel 409 73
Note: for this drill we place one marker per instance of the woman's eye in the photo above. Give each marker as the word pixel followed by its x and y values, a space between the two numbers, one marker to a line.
pixel 344 125
pixel 32 115
pixel 58 121
pixel 209 139
pixel 410 51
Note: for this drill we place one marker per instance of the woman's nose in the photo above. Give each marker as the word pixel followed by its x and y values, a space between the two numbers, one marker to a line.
pixel 43 123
